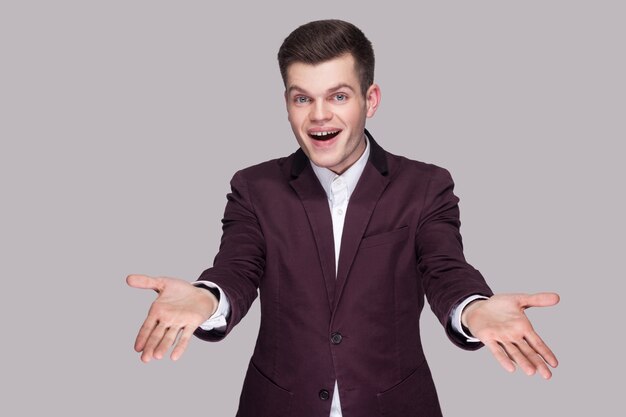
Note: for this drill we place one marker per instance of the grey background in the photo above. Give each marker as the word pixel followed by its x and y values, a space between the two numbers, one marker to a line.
pixel 121 123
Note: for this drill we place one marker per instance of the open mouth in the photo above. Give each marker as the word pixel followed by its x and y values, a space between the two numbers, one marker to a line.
pixel 323 136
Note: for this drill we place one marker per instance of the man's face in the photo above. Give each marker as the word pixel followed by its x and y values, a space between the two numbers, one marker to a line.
pixel 327 111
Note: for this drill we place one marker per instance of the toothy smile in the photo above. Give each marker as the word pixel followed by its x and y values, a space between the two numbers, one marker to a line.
pixel 324 135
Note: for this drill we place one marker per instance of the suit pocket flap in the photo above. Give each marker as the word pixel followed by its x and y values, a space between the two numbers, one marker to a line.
pixel 415 396
pixel 260 394
pixel 385 238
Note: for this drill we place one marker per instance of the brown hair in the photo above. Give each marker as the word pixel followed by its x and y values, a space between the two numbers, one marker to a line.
pixel 323 40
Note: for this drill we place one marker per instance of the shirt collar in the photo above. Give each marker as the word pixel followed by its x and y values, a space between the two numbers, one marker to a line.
pixel 350 176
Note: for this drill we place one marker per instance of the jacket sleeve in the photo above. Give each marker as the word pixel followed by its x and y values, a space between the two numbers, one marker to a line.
pixel 447 278
pixel 240 261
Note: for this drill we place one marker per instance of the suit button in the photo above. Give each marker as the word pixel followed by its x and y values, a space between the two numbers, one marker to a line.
pixel 336 338
pixel 324 395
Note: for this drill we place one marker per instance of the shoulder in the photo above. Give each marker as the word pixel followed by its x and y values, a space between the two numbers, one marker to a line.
pixel 264 179
pixel 273 168
pixel 404 167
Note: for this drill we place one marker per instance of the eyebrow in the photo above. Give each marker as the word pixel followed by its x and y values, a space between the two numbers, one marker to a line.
pixel 335 88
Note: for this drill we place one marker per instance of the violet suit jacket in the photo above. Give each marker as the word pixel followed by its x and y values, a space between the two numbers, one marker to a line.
pixel 359 326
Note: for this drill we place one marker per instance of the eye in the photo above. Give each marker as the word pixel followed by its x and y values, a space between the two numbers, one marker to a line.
pixel 301 99
pixel 341 97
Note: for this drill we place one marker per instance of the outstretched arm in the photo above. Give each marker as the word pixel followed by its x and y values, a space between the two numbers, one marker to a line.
pixel 501 324
pixel 173 317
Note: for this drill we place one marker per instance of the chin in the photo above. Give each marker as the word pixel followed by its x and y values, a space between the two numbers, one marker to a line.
pixel 325 162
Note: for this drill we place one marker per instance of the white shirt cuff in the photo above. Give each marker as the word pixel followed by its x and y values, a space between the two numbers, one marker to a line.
pixel 218 320
pixel 456 317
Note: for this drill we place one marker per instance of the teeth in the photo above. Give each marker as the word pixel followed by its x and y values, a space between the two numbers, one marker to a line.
pixel 321 134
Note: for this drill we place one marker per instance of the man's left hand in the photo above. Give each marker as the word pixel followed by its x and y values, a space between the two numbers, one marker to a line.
pixel 501 324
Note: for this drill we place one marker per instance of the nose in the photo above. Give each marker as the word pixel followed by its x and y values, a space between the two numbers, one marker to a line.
pixel 320 112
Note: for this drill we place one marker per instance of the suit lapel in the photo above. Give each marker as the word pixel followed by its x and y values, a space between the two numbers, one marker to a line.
pixel 373 181
pixel 360 208
pixel 315 204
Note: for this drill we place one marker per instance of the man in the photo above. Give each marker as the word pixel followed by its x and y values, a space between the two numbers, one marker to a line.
pixel 342 240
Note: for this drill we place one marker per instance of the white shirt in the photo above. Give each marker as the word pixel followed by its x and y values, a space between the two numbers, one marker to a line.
pixel 338 189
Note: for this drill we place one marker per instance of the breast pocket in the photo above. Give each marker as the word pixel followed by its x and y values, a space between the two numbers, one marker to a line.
pixel 386 238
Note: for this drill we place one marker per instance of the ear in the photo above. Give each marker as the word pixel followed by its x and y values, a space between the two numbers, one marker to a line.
pixel 372 98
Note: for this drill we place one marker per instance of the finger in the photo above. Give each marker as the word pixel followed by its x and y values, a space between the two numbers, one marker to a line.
pixel 182 344
pixel 514 351
pixel 542 299
pixel 498 352
pixel 536 360
pixel 144 333
pixel 540 365
pixel 152 342
pixel 143 282
pixel 539 346
pixel 168 339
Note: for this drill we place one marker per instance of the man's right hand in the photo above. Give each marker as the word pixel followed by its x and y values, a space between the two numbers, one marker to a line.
pixel 179 309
